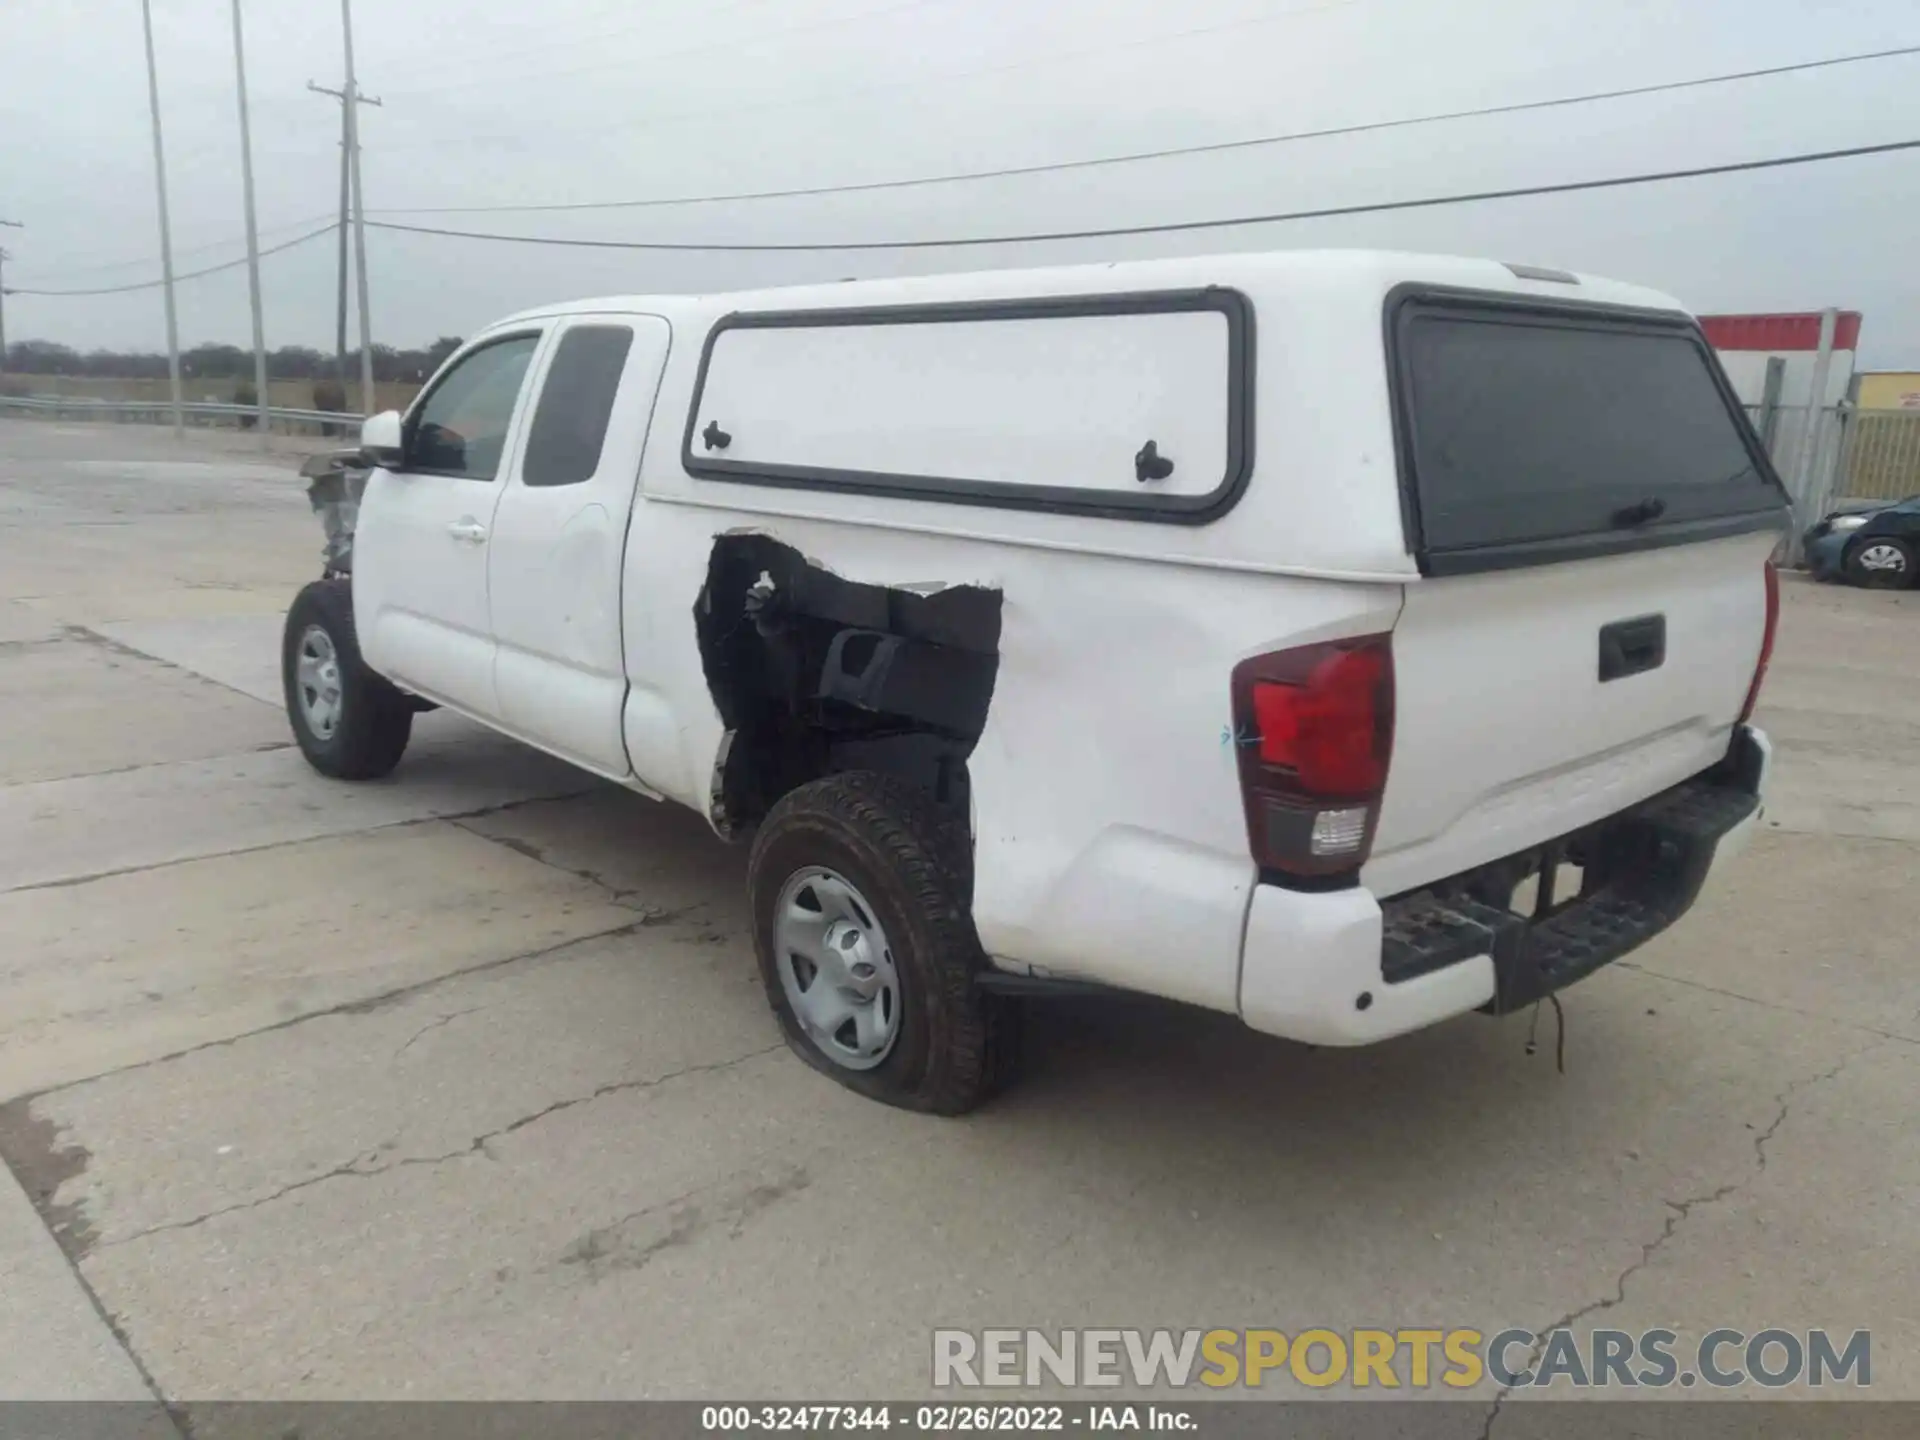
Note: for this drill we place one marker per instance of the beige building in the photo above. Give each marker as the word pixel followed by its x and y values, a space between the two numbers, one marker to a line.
pixel 1888 390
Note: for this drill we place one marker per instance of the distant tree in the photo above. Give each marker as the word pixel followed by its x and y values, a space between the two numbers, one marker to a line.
pixel 296 362
pixel 118 365
pixel 213 361
pixel 43 357
pixel 210 361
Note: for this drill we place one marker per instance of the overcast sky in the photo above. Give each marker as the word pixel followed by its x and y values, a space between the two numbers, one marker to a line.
pixel 499 102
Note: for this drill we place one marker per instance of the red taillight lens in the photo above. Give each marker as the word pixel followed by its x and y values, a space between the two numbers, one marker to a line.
pixel 1327 731
pixel 1766 642
pixel 1315 728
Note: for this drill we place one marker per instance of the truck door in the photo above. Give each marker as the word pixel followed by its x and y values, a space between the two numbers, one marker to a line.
pixel 559 536
pixel 420 561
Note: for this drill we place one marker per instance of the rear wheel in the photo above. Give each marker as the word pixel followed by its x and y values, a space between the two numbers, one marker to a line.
pixel 1882 562
pixel 349 722
pixel 866 948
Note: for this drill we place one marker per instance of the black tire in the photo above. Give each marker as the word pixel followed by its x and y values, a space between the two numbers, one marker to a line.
pixel 1878 578
pixel 956 1044
pixel 375 720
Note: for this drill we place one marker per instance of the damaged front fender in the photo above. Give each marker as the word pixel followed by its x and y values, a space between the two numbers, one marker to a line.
pixel 337 480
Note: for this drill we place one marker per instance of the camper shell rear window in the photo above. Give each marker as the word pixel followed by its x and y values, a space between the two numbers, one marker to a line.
pixel 1532 431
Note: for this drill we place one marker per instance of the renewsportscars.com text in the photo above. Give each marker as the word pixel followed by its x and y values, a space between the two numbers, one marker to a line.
pixel 1412 1359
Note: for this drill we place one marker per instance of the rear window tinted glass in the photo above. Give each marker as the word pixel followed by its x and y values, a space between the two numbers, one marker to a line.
pixel 1526 429
pixel 576 402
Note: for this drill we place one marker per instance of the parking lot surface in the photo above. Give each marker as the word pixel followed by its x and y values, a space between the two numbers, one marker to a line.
pixel 462 1084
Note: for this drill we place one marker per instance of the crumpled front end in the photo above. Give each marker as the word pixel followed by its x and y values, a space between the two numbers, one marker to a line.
pixel 337 481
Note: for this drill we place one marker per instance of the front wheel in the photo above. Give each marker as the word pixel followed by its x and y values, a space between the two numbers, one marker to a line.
pixel 1882 562
pixel 350 723
pixel 866 948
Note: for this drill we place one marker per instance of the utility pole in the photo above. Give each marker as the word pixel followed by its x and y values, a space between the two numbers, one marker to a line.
pixel 367 403
pixel 253 233
pixel 5 255
pixel 166 228
pixel 346 220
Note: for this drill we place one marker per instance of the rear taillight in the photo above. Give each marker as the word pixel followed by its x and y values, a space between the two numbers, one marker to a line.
pixel 1766 642
pixel 1315 730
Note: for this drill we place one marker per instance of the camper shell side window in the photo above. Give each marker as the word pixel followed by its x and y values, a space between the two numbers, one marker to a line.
pixel 1133 406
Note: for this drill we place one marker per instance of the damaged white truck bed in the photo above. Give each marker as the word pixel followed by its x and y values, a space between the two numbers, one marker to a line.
pixel 1345 641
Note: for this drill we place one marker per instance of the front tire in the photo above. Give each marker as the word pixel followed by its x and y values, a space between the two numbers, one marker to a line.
pixel 1882 562
pixel 350 723
pixel 867 950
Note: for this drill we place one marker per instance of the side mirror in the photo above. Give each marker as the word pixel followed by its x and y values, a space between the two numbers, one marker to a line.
pixel 382 440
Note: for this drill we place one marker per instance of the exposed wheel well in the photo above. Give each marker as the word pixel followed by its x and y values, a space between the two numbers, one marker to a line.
pixel 815 675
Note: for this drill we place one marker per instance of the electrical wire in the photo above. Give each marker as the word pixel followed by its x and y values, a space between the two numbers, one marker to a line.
pixel 521 77
pixel 91 268
pixel 844 92
pixel 1217 147
pixel 1068 165
pixel 190 274
pixel 445 63
pixel 1172 226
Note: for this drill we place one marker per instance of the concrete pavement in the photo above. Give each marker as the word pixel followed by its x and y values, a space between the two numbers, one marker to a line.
pixel 461 1085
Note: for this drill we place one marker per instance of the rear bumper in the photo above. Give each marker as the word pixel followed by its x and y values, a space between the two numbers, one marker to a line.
pixel 1344 968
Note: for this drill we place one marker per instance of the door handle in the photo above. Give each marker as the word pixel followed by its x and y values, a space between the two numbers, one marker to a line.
pixel 1632 647
pixel 472 531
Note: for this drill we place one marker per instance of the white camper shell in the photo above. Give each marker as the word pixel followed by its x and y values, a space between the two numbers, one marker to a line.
pixel 1342 640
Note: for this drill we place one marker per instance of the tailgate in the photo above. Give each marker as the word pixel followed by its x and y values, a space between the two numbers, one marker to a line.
pixel 1593 517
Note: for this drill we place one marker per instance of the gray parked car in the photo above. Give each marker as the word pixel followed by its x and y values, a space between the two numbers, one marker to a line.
pixel 1874 545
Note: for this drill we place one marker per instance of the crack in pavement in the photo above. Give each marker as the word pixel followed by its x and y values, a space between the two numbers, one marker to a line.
pixel 356 1168
pixel 453 816
pixel 1775 1005
pixel 365 1005
pixel 436 1024
pixel 655 914
pixel 263 749
pixel 1678 1212
pixel 87 635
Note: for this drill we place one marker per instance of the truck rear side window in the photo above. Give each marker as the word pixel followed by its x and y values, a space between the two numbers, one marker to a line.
pixel 1533 436
pixel 576 402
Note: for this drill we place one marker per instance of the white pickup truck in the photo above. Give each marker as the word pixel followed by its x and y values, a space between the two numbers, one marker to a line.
pixel 1345 641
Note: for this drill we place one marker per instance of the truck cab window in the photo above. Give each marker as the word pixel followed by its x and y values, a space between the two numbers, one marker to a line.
pixel 461 427
pixel 576 402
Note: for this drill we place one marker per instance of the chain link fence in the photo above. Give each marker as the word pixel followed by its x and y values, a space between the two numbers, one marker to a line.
pixel 1880 459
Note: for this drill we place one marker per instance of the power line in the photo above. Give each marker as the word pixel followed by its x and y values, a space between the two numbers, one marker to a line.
pixel 844 91
pixel 1069 165
pixel 442 63
pixel 521 77
pixel 1175 226
pixel 1217 147
pixel 186 275
pixel 95 269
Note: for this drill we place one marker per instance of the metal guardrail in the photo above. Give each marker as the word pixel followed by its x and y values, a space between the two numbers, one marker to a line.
pixel 160 412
